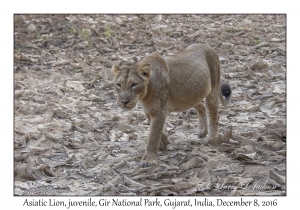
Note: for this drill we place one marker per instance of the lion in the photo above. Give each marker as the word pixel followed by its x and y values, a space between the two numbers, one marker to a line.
pixel 173 84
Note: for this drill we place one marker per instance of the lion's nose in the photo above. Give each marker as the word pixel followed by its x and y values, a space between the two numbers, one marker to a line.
pixel 125 102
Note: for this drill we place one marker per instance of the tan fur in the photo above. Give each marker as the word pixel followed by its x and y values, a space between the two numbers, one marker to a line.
pixel 172 84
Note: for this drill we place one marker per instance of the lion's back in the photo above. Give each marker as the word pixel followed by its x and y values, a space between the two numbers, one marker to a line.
pixel 190 78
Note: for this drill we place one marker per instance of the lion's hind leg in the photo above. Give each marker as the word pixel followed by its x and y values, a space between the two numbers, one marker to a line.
pixel 213 106
pixel 202 120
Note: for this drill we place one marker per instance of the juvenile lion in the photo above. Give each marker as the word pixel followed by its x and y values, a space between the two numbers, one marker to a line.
pixel 173 84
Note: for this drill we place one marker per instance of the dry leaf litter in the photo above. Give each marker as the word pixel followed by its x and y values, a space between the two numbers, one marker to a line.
pixel 70 137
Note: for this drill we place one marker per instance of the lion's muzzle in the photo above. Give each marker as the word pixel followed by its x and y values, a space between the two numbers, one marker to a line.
pixel 127 104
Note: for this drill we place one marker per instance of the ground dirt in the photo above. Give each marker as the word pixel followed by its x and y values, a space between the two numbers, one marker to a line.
pixel 70 137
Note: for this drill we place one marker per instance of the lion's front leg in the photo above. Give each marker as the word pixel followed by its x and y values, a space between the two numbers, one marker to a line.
pixel 156 126
pixel 163 146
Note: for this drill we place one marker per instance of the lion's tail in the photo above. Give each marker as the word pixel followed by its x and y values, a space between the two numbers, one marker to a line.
pixel 225 90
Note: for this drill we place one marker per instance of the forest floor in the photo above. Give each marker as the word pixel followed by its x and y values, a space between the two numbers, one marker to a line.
pixel 70 137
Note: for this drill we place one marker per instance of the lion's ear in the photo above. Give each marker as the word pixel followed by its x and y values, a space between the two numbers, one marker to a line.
pixel 145 71
pixel 115 69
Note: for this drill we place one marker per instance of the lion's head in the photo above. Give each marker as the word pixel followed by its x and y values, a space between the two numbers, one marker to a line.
pixel 131 83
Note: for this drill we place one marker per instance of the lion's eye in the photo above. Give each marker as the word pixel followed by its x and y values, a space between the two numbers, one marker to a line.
pixel 118 85
pixel 133 85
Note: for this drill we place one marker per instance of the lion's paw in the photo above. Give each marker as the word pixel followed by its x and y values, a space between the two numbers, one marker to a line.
pixel 201 133
pixel 148 160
